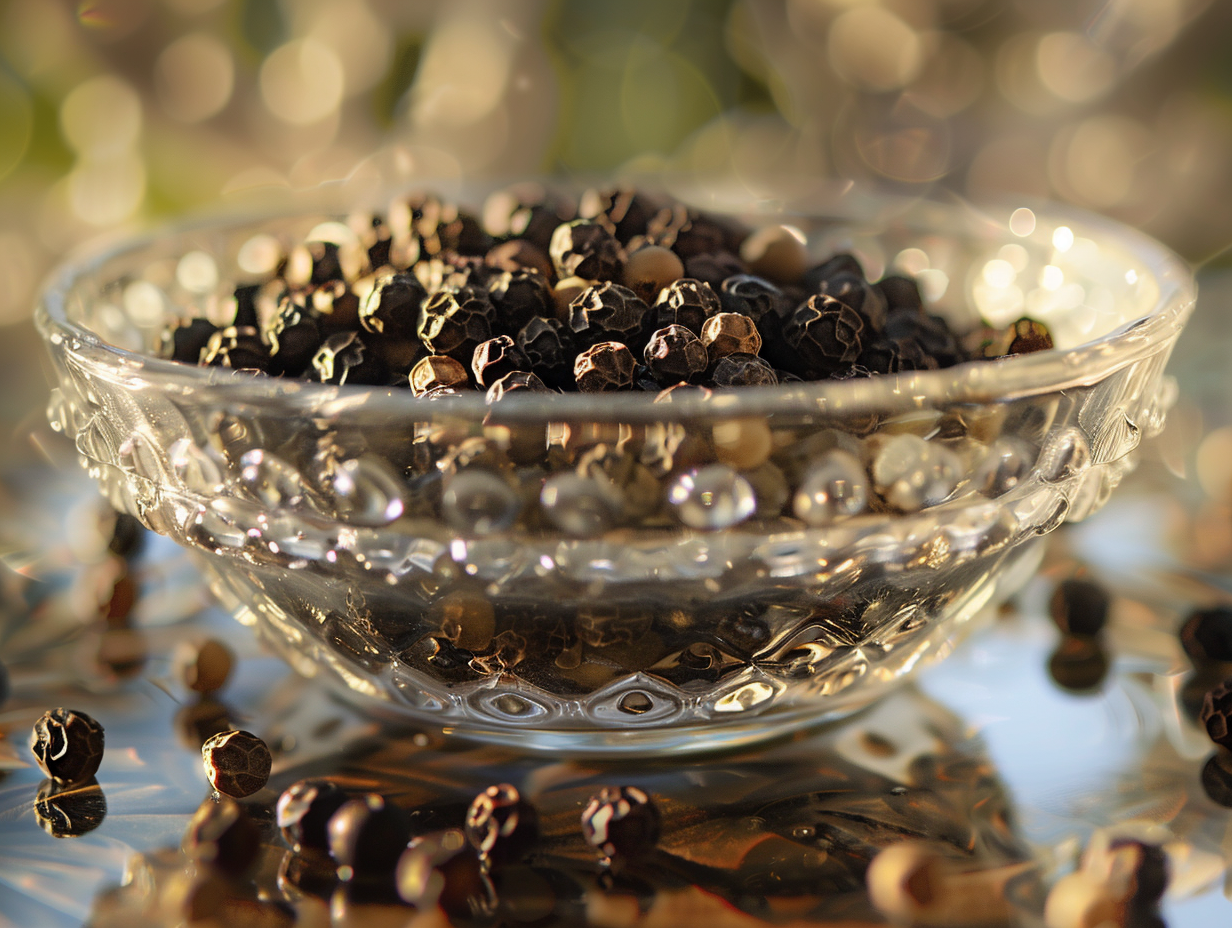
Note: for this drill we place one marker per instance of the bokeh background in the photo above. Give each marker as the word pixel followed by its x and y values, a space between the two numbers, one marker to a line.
pixel 117 113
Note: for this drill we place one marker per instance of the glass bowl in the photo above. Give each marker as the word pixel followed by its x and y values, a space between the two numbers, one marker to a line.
pixel 604 573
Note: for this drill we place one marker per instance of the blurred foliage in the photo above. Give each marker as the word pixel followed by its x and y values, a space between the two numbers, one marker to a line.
pixel 114 113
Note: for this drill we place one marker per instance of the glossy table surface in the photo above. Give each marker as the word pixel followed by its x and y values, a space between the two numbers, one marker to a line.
pixel 986 753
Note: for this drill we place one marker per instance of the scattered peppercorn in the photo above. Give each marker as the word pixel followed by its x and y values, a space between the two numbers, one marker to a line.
pixel 304 811
pixel 223 835
pixel 1079 606
pixel 203 666
pixel 367 835
pixel 1206 635
pixel 621 821
pixel 237 763
pixel 500 824
pixel 68 745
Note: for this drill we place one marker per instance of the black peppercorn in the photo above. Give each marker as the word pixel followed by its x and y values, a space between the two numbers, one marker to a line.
pixel 1079 606
pixel 495 358
pixel 743 370
pixel 304 810
pixel 879 356
pixel 1079 663
pixel 856 293
pixel 335 305
pixel 610 312
pixel 513 382
pixel 344 358
pixel 730 333
pixel 391 307
pixel 838 265
pixel 826 334
pixel 517 298
pixel 294 336
pixel 688 303
pixel 549 347
pixel 1216 713
pixel 1217 778
pixel 436 370
pixel 237 763
pixel 68 745
pixel 367 835
pixel 223 835
pixel 127 536
pixel 526 211
pixel 239 349
pixel 585 249
pixel 713 269
pixel 623 211
pixel 5 685
pixel 454 322
pixel 185 342
pixel 674 354
pixel 689 233
pixel 604 367
pixel 501 825
pixel 621 822
pixel 1206 635
pixel 901 293
pixel 373 234
pixel 770 308
pixel 313 263
pixel 70 810
pixel 442 871
pixel 921 335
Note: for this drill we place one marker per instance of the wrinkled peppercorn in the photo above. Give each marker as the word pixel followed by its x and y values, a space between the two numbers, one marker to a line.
pixel 924 341
pixel 609 312
pixel 237 763
pixel 856 293
pixel 743 370
pixel 501 825
pixel 526 211
pixel 391 307
pixel 185 342
pixel 520 255
pixel 304 810
pixel 1206 635
pixel 585 249
pixel 730 333
pixel 549 347
pixel 223 835
pixel 68 745
pixel 675 354
pixel 836 266
pixel 688 303
pixel 513 382
pixel 454 322
pixel 294 336
pixel 495 358
pixel 769 307
pixel 517 298
pixel 345 358
pixel 826 333
pixel 623 211
pixel 621 821
pixel 604 367
pixel 367 835
pixel 239 349
pixel 1079 606
pixel 434 371
pixel 713 269
pixel 1216 713
pixel 442 871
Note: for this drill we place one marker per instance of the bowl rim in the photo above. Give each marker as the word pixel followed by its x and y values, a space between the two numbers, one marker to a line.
pixel 972 382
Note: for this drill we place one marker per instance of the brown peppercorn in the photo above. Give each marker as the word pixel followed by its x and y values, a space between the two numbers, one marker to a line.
pixel 237 763
pixel 651 268
pixel 436 370
pixel 585 249
pixel 68 745
pixel 345 358
pixel 513 382
pixel 730 333
pixel 609 312
pixel 777 253
pixel 675 354
pixel 1029 336
pixel 604 367
pixel 1079 606
pixel 454 322
pixel 495 358
pixel 688 303
pixel 391 307
pixel 743 370
pixel 203 666
pixel 517 298
pixel 826 333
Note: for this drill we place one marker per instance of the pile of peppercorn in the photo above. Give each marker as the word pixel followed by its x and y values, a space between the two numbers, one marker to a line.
pixel 622 290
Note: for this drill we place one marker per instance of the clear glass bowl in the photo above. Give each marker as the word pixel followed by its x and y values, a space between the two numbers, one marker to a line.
pixel 603 573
